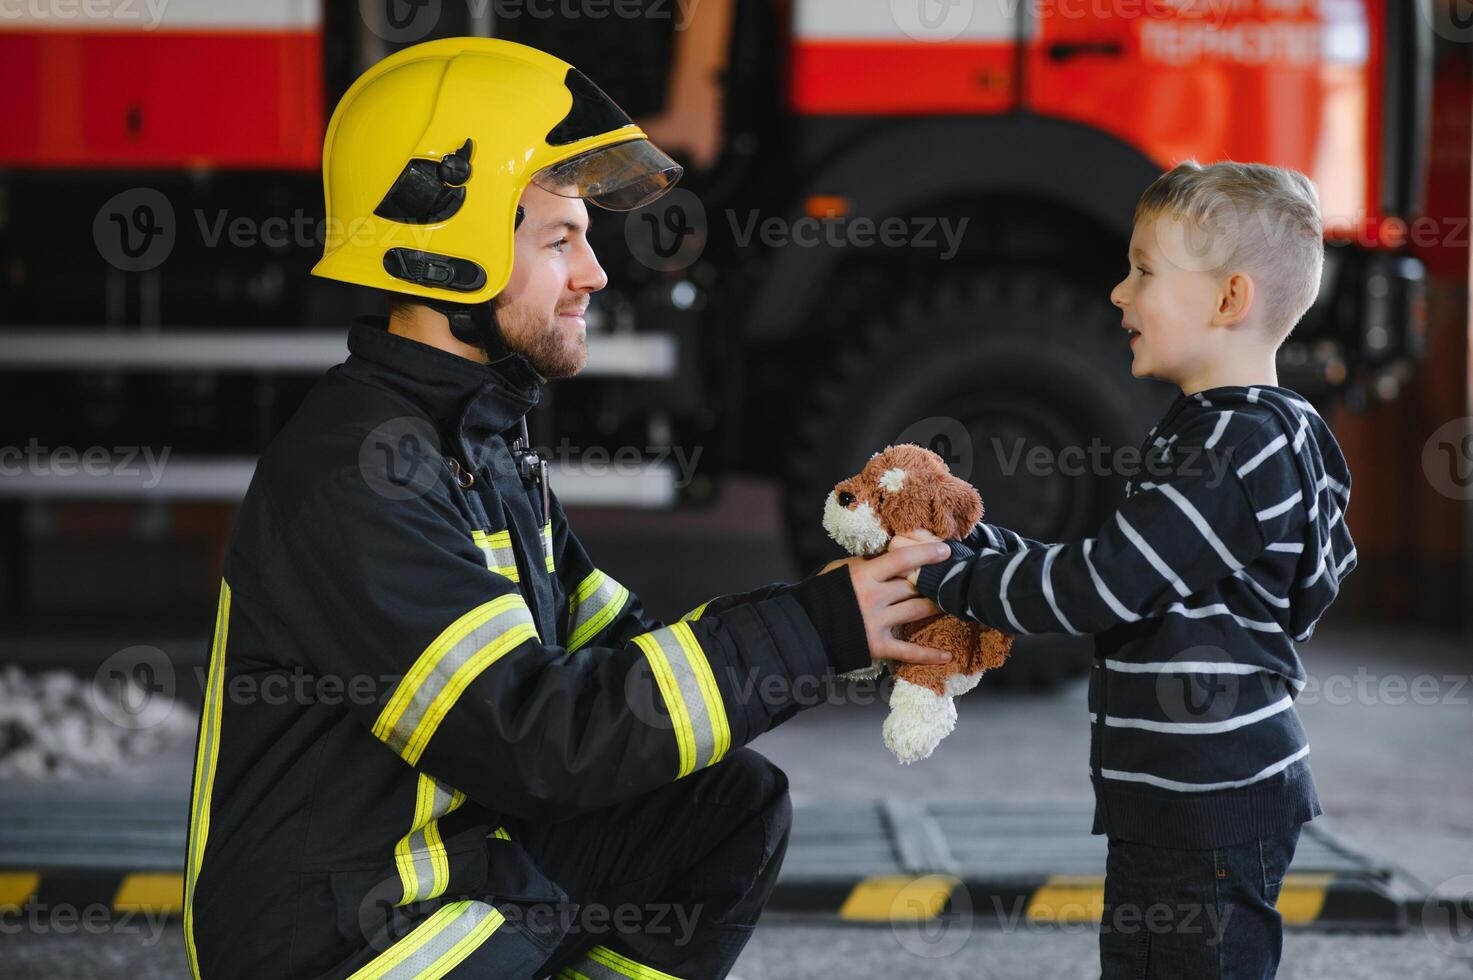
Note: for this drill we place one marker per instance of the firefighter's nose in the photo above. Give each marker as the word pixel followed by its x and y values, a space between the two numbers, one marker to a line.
pixel 845 498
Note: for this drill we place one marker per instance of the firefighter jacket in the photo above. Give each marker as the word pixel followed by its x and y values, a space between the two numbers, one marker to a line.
pixel 411 659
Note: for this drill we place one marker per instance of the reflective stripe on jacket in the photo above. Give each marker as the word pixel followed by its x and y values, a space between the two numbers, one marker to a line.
pixel 405 669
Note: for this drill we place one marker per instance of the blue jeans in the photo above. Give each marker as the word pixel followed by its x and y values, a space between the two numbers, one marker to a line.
pixel 1203 915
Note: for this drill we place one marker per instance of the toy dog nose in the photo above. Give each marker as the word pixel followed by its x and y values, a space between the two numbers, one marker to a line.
pixel 845 498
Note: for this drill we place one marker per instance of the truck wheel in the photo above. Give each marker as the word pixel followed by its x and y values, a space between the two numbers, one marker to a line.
pixel 1021 380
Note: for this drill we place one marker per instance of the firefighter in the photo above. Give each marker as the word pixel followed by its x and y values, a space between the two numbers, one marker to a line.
pixel 436 739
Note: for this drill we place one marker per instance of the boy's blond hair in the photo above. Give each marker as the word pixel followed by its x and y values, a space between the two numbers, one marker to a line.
pixel 1263 220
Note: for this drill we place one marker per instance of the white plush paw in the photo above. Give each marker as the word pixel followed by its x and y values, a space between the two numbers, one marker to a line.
pixel 919 719
pixel 958 684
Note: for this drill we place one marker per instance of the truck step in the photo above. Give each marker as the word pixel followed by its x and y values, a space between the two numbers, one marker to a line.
pixel 644 355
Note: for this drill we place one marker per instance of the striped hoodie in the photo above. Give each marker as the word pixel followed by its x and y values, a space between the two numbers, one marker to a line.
pixel 1230 544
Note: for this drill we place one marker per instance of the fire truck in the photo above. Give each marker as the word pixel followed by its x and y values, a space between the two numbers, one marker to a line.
pixel 905 225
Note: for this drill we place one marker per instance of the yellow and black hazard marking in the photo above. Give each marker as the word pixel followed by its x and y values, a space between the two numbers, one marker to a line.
pixel 1308 901
pixel 154 893
pixel 1305 901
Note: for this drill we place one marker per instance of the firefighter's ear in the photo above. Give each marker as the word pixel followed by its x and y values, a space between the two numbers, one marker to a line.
pixel 957 507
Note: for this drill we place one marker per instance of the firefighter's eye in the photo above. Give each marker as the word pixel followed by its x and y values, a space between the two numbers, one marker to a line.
pixel 558 245
pixel 1143 270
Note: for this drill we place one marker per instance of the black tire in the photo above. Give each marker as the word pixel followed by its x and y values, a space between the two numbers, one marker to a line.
pixel 1008 361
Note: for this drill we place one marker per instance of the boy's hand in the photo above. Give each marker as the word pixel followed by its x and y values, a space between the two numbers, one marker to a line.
pixel 887 600
pixel 908 540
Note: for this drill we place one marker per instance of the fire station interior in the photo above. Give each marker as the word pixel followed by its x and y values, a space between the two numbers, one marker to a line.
pixel 898 222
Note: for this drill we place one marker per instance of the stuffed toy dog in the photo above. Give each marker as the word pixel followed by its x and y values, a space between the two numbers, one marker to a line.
pixel 901 489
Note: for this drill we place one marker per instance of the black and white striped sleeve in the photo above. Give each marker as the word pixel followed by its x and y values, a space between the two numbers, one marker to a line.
pixel 1186 528
pixel 999 538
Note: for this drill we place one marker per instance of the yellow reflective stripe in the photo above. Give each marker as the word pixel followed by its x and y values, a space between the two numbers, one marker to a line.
pixel 419 856
pixel 602 963
pixel 448 665
pixel 697 711
pixel 595 604
pixel 206 754
pixel 500 558
pixel 685 740
pixel 437 945
pixel 501 832
pixel 547 545
pixel 710 693
pixel 696 613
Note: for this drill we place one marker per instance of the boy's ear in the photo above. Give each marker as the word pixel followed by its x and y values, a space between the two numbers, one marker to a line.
pixel 1234 299
pixel 958 508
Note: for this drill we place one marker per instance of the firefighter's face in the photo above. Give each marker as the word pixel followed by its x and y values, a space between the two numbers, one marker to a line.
pixel 541 310
pixel 1168 306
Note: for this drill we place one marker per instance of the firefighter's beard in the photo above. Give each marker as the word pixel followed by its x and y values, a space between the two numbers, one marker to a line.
pixel 555 347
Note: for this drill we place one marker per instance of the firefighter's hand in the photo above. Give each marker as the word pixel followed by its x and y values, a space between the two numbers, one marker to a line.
pixel 910 539
pixel 887 600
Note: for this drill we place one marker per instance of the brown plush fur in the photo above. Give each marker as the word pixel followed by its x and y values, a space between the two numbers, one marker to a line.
pixel 934 500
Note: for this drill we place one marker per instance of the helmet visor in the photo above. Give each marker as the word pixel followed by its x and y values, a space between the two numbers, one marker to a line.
pixel 621 177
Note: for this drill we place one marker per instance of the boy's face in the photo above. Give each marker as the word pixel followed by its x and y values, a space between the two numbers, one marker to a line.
pixel 1168 304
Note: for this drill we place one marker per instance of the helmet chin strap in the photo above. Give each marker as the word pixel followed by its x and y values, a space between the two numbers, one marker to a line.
pixel 475 324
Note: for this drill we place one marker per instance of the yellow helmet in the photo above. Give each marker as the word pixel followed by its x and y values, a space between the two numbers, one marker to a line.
pixel 428 153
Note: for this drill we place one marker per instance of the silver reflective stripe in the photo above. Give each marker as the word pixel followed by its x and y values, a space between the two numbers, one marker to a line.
pixel 424 869
pixel 592 970
pixel 427 692
pixel 437 945
pixel 500 557
pixel 547 545
pixel 602 963
pixel 697 713
pixel 594 604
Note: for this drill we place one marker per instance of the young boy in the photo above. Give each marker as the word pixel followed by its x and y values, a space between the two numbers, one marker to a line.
pixel 1229 546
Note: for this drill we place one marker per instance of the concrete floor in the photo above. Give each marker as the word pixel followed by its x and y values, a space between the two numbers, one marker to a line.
pixel 1392 755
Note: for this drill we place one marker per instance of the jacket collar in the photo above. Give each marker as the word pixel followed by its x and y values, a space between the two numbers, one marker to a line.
pixel 473 401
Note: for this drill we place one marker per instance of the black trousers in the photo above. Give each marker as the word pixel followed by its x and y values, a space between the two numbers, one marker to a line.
pixel 671 882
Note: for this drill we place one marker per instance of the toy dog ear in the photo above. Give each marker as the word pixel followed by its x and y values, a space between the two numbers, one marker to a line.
pixel 958 507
